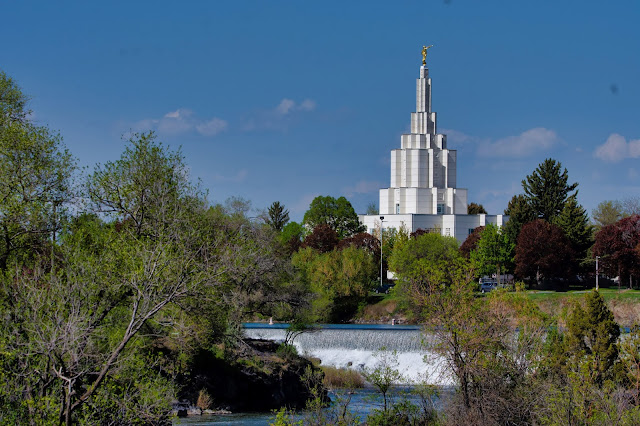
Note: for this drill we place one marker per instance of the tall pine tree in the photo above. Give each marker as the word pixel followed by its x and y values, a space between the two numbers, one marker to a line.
pixel 547 189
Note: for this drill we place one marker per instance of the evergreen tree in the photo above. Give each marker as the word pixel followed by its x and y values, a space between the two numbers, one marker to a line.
pixel 474 208
pixel 278 216
pixel 593 332
pixel 520 213
pixel 547 189
pixel 574 222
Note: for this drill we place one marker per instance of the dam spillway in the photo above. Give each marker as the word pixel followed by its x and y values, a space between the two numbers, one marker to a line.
pixel 355 347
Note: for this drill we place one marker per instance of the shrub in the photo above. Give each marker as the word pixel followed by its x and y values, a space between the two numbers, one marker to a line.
pixel 341 377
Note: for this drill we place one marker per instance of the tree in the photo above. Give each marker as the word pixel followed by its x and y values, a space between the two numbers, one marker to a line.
pixel 543 251
pixel 574 222
pixel 35 179
pixel 292 236
pixel 547 189
pixel 471 243
pixel 494 252
pixel 606 213
pixel 13 103
pixel 337 213
pixel 593 333
pixel 617 247
pixel 385 375
pixel 474 208
pixel 323 238
pixel 278 216
pixel 372 209
pixel 340 279
pixel 520 213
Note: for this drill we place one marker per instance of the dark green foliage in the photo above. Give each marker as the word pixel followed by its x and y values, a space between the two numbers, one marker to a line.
pixel 278 216
pixel 547 189
pixel 474 208
pixel 593 333
pixel 520 213
pixel 574 222
pixel 337 213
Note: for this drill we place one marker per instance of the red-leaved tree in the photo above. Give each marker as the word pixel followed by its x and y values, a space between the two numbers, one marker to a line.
pixel 471 243
pixel 618 246
pixel 323 238
pixel 543 251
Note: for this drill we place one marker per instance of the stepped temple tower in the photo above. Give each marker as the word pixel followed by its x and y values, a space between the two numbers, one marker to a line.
pixel 423 193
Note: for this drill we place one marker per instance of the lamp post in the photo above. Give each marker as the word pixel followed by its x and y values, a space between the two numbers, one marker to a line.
pixel 381 228
pixel 597 258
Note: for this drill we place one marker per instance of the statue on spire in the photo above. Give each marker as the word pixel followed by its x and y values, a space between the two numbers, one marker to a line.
pixel 424 54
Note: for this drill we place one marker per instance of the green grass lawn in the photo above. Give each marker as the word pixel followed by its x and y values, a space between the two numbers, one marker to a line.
pixel 607 294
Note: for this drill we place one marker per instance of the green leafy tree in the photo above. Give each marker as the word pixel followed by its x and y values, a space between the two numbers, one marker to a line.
pixel 337 213
pixel 372 209
pixel 606 213
pixel 385 375
pixel 494 252
pixel 340 279
pixel 547 189
pixel 474 208
pixel 35 179
pixel 278 216
pixel 292 236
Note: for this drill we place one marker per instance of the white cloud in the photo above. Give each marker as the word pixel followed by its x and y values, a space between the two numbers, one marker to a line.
pixel 362 187
pixel 616 149
pixel 285 106
pixel 181 121
pixel 211 127
pixel 241 176
pixel 279 117
pixel 307 105
pixel 522 145
pixel 456 137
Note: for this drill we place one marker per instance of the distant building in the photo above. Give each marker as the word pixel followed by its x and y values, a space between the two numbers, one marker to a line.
pixel 423 193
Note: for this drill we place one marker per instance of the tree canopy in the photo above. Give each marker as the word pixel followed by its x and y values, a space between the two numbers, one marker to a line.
pixel 547 189
pixel 337 213
pixel 278 216
pixel 474 208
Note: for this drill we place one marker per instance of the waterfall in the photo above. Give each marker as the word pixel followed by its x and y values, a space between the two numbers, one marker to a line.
pixel 355 347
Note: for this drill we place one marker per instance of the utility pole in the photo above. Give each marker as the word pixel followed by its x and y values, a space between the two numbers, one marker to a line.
pixel 381 229
pixel 597 257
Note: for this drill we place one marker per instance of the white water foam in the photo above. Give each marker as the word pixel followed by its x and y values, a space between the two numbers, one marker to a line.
pixel 356 349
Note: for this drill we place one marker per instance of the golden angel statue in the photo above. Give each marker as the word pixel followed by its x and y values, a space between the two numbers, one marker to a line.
pixel 424 54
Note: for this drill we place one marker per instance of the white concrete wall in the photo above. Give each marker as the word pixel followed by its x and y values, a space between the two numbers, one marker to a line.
pixel 458 225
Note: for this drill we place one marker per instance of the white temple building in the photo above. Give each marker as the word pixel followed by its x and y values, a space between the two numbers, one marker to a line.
pixel 423 193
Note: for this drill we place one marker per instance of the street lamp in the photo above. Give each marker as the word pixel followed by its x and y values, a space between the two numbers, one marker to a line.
pixel 381 228
pixel 597 257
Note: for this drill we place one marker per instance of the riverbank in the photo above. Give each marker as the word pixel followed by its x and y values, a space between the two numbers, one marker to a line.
pixel 624 303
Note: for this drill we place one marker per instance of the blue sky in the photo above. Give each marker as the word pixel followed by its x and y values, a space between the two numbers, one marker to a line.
pixel 287 100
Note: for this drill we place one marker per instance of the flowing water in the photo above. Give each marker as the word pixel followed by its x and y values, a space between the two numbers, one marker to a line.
pixel 347 346
pixel 355 346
